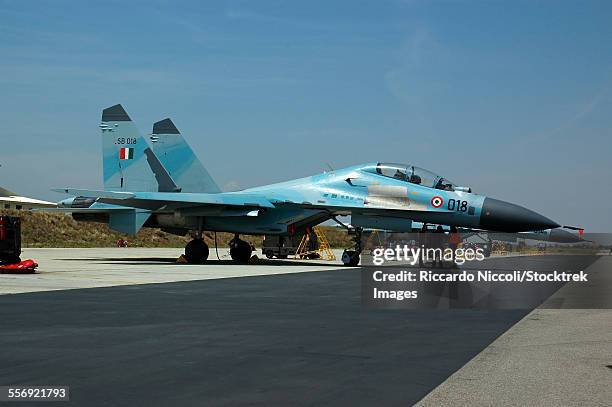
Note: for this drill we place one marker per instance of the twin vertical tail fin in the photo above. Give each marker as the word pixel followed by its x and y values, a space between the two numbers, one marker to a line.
pixel 131 165
pixel 124 157
pixel 126 161
pixel 179 160
pixel 129 162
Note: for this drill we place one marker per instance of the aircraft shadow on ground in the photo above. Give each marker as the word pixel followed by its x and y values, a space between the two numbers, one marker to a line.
pixel 210 261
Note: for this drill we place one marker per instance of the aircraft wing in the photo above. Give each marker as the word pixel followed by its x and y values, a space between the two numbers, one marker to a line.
pixel 255 200
pixel 158 200
pixel 171 200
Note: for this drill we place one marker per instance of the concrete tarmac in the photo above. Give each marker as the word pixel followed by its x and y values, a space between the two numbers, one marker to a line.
pixel 63 269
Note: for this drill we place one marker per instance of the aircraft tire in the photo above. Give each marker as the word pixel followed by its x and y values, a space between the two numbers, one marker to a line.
pixel 196 251
pixel 240 251
pixel 350 258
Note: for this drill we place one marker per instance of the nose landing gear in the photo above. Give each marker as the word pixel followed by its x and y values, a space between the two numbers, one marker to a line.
pixel 351 257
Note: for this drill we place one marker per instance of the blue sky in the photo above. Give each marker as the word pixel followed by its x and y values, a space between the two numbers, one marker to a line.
pixel 511 98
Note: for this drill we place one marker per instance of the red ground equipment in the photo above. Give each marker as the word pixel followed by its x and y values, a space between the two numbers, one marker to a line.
pixel 10 247
pixel 10 239
pixel 23 267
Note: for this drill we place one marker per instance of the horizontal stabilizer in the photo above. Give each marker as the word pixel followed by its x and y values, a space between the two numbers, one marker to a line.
pixel 91 193
pixel 105 209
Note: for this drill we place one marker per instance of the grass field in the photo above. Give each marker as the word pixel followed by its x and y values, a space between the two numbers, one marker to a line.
pixel 45 229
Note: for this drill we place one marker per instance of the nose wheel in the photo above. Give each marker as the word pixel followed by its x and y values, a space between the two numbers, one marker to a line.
pixel 196 251
pixel 351 258
pixel 240 251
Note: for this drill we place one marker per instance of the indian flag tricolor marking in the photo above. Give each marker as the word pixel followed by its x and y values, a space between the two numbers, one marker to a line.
pixel 126 153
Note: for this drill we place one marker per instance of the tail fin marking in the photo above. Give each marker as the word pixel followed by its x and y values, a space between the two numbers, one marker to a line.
pixel 125 166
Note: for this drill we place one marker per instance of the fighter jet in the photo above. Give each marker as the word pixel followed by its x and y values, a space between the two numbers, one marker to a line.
pixel 167 187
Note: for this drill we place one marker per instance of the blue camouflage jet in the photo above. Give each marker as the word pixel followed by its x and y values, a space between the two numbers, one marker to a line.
pixel 165 186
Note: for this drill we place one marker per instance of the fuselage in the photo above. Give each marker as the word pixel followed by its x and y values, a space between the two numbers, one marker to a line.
pixel 377 195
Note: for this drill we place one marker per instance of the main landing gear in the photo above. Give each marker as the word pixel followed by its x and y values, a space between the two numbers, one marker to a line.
pixel 240 251
pixel 351 257
pixel 196 251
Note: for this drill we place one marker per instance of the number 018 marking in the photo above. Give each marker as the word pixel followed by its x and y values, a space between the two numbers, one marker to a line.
pixel 457 205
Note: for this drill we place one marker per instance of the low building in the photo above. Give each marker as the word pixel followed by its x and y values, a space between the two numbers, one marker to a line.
pixel 10 200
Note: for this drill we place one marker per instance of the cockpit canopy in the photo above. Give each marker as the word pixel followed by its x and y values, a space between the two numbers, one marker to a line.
pixel 414 175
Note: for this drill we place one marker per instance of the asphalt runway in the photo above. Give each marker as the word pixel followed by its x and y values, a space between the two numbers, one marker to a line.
pixel 294 338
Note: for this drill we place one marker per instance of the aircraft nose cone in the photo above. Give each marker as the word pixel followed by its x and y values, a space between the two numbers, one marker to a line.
pixel 507 217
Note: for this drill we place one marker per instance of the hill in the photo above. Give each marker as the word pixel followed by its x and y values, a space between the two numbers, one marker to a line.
pixel 46 229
